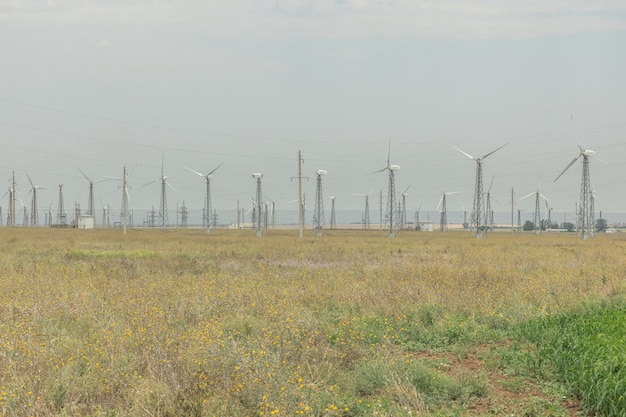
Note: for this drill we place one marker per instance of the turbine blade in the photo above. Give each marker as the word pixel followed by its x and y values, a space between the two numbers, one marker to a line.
pixel 439 204
pixel 215 169
pixel 490 184
pixel 170 185
pixel 195 172
pixel 29 180
pixel 545 198
pixel 495 150
pixel 527 195
pixel 151 182
pixel 380 170
pixel 389 153
pixel 84 175
pixel 112 178
pixel 463 152
pixel 567 167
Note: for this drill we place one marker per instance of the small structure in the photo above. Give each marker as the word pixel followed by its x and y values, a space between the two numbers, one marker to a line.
pixel 85 221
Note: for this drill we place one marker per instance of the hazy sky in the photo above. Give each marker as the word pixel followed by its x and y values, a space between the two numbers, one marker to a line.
pixel 102 84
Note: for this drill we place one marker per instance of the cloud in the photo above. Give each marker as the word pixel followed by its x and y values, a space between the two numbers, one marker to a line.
pixel 333 19
pixel 105 44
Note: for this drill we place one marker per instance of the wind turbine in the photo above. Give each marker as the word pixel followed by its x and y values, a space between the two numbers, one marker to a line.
pixel 391 191
pixel 366 213
pixel 163 203
pixel 537 219
pixel 258 218
pixel 90 203
pixel 477 219
pixel 34 213
pixel 206 215
pixel 489 223
pixel 585 221
pixel 11 215
pixel 318 211
pixel 418 226
pixel 25 211
pixel 441 207
pixel 403 221
pixel 549 216
pixel 125 201
pixel 61 216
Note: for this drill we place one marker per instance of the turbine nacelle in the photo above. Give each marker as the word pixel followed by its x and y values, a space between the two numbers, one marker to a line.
pixel 321 172
pixel 393 167
pixel 257 175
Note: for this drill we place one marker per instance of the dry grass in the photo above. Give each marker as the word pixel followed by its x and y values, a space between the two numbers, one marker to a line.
pixel 183 323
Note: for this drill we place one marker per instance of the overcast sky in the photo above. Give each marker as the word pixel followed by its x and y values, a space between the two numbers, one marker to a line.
pixel 101 84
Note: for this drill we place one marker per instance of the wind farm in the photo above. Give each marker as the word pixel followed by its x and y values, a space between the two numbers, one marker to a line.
pixel 259 217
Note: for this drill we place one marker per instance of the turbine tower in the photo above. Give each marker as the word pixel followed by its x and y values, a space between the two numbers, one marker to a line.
pixel 258 218
pixel 318 212
pixel 537 214
pixel 443 222
pixel 477 219
pixel 61 209
pixel 403 219
pixel 163 220
pixel 206 213
pixel 391 192
pixel 11 219
pixel 34 213
pixel 489 225
pixel 90 202
pixel 366 213
pixel 586 215
pixel 333 219
pixel 125 215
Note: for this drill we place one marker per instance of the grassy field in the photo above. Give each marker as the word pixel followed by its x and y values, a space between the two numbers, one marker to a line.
pixel 350 324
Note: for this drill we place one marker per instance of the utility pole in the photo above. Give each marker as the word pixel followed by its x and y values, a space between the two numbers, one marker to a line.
pixel 512 211
pixel 381 210
pixel 300 207
pixel 238 217
pixel 300 199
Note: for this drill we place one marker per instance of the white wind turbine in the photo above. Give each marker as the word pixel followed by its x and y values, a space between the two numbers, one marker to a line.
pixel 206 215
pixel 34 213
pixel 403 219
pixel 125 202
pixel 586 217
pixel 163 221
pixel 537 214
pixel 366 214
pixel 441 207
pixel 391 192
pixel 90 202
pixel 477 212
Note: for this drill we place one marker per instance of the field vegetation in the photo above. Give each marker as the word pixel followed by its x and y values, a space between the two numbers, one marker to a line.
pixel 180 323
